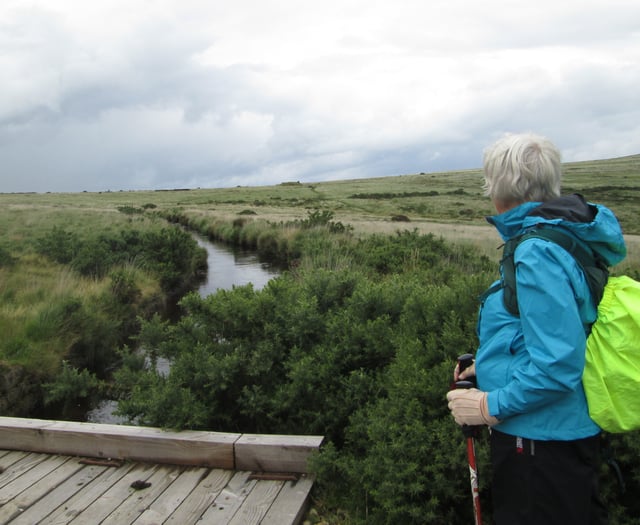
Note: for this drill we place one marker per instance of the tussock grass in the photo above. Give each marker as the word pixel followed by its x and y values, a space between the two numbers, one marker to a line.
pixel 452 197
pixel 449 205
pixel 35 290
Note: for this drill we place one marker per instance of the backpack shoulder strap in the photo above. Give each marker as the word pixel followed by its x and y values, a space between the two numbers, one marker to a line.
pixel 595 270
pixel 508 275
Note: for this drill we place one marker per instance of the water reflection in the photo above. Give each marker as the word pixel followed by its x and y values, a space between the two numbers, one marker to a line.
pixel 104 413
pixel 230 267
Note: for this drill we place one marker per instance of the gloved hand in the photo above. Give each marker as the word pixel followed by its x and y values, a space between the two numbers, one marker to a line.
pixel 469 407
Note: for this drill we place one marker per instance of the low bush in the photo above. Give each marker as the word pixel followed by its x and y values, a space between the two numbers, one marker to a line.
pixel 170 253
pixel 6 259
pixel 357 343
pixel 361 355
pixel 71 385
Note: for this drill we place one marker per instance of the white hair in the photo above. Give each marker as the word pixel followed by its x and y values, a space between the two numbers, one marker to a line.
pixel 522 168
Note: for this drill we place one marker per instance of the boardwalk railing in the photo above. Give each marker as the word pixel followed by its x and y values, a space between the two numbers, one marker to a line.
pixel 250 452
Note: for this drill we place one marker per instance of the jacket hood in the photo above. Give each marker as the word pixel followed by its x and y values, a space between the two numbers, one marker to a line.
pixel 594 224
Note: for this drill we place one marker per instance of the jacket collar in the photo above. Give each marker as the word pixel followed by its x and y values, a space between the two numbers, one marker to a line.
pixel 510 222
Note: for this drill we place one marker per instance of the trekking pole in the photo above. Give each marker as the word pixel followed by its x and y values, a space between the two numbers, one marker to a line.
pixel 470 432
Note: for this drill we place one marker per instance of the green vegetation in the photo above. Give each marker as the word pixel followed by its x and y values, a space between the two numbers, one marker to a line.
pixel 441 197
pixel 450 204
pixel 355 341
pixel 357 344
pixel 73 286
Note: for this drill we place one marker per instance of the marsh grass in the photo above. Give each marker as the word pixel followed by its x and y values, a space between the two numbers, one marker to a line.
pixel 31 293
pixel 449 205
pixel 37 295
pixel 47 310
pixel 452 197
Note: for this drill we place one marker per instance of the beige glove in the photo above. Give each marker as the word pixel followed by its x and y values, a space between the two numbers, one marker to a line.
pixel 469 407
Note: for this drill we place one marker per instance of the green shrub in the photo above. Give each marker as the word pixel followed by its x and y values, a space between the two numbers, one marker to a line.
pixel 71 385
pixel 360 351
pixel 123 287
pixel 170 253
pixel 58 244
pixel 6 259
pixel 361 355
pixel 93 259
pixel 130 210
pixel 267 245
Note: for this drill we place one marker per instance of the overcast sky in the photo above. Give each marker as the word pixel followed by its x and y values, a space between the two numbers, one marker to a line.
pixel 154 94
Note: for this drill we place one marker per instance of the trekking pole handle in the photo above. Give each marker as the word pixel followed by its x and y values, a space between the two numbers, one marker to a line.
pixel 464 362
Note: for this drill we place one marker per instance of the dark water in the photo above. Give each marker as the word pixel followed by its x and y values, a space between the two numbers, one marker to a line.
pixel 228 267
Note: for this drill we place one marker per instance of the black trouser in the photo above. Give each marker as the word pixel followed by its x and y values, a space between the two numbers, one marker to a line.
pixel 545 482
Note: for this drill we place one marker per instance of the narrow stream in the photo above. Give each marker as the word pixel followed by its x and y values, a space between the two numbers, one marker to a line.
pixel 228 267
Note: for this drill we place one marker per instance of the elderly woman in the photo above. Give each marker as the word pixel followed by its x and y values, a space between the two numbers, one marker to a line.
pixel 528 367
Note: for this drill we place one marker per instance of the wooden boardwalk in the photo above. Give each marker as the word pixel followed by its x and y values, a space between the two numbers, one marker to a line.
pixel 238 479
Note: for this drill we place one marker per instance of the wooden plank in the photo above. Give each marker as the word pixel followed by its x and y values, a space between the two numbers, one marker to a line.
pixel 62 490
pixel 9 465
pixel 138 500
pixel 230 499
pixel 26 472
pixel 291 503
pixel 275 453
pixel 200 499
pixel 111 499
pixel 86 496
pixel 257 503
pixel 172 497
pixel 39 480
pixel 198 448
pixel 58 489
pixel 59 495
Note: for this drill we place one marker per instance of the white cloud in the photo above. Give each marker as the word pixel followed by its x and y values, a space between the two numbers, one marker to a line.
pixel 133 94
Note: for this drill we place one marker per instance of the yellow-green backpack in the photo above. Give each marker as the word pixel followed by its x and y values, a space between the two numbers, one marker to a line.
pixel 611 377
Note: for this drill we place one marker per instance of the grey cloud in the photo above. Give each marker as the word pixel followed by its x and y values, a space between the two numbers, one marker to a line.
pixel 140 111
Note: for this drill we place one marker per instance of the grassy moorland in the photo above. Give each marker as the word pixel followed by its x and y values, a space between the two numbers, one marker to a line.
pixel 450 204
pixel 356 342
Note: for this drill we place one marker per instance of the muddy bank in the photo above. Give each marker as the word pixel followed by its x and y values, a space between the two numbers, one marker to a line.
pixel 20 392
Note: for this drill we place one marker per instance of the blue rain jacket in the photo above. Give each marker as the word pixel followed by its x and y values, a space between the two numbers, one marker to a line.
pixel 531 365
